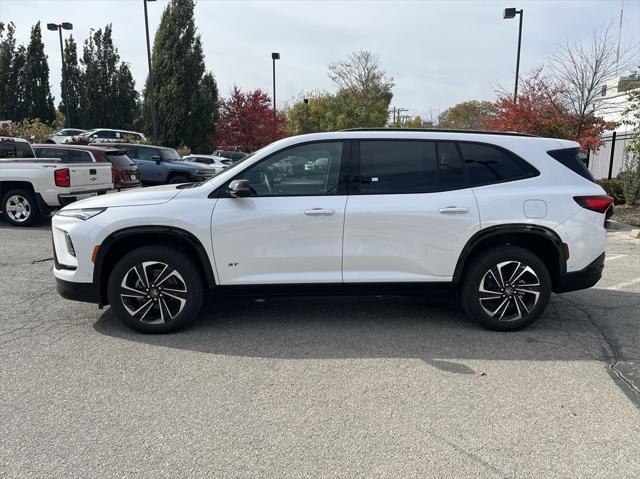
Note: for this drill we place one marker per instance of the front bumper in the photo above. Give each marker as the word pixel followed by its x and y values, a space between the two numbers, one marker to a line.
pixel 582 279
pixel 84 292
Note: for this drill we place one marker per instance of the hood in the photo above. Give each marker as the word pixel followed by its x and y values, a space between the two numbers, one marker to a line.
pixel 154 195
pixel 189 164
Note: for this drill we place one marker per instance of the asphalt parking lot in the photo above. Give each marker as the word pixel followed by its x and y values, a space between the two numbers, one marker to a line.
pixel 317 387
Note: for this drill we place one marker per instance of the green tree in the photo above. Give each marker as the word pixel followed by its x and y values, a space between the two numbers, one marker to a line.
pixel 37 93
pixel 107 97
pixel 186 98
pixel 7 79
pixel 74 83
pixel 468 115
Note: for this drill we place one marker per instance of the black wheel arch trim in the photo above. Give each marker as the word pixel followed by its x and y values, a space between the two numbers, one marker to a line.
pixel 506 229
pixel 106 245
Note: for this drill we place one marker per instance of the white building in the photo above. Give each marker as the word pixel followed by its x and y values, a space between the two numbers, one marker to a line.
pixel 611 106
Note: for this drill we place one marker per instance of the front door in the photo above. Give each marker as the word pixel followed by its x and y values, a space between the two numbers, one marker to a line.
pixel 290 229
pixel 411 213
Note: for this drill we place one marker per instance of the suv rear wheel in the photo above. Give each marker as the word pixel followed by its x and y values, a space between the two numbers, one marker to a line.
pixel 155 290
pixel 506 288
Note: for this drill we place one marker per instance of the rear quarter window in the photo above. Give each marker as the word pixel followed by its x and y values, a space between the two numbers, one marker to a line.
pixel 570 157
pixel 120 160
pixel 487 164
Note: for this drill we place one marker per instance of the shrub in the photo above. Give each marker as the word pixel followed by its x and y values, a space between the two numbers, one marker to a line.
pixel 32 130
pixel 630 178
pixel 613 189
pixel 183 150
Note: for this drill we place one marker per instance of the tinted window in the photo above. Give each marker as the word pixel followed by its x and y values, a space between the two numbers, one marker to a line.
pixel 148 153
pixel 119 160
pixel 570 157
pixel 305 170
pixel 79 156
pixel 450 166
pixel 487 164
pixel 397 167
pixel 105 134
pixel 15 149
pixel 132 151
pixel 59 153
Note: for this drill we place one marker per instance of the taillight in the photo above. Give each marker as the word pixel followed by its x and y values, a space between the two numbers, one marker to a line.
pixel 599 204
pixel 62 178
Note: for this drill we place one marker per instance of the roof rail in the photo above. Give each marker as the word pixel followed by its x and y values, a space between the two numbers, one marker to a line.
pixel 443 130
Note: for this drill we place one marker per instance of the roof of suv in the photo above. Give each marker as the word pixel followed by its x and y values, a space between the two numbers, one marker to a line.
pixel 92 148
pixel 443 130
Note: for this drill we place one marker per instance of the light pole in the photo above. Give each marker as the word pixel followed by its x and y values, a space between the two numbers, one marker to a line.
pixel 306 115
pixel 154 118
pixel 511 13
pixel 274 56
pixel 65 92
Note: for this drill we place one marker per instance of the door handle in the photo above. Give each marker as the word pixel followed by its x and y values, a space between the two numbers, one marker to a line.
pixel 454 210
pixel 319 212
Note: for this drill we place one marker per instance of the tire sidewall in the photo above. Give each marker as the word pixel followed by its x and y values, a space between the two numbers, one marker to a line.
pixel 32 204
pixel 175 259
pixel 477 270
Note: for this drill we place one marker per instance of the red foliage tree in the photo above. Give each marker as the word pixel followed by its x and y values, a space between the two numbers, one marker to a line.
pixel 540 111
pixel 246 122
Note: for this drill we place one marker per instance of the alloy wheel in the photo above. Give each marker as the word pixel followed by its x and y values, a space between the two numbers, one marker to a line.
pixel 509 290
pixel 153 292
pixel 18 208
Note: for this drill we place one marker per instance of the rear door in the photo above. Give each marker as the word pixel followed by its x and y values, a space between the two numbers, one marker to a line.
pixel 410 213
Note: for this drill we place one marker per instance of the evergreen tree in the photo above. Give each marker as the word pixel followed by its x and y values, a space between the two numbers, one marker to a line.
pixel 74 79
pixel 186 98
pixel 37 94
pixel 108 98
pixel 7 52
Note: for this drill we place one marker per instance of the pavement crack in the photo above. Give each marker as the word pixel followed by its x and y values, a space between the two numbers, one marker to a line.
pixel 41 260
pixel 613 351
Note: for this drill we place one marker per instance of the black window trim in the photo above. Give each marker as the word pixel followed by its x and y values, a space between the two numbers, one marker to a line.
pixel 343 185
pixel 354 189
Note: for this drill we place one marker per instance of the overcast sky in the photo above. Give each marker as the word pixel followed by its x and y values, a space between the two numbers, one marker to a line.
pixel 438 52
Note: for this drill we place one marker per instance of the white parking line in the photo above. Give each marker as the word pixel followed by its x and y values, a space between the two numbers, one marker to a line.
pixel 625 284
pixel 615 256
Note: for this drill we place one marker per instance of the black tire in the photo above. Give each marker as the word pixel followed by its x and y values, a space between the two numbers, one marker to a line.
pixel 178 179
pixel 28 212
pixel 515 304
pixel 153 301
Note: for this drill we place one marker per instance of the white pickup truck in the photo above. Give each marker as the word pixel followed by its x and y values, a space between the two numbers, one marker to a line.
pixel 32 187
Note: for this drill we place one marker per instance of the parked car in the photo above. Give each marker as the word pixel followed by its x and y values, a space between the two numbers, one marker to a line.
pixel 232 155
pixel 107 135
pixel 160 165
pixel 64 135
pixel 32 187
pixel 500 219
pixel 217 162
pixel 125 172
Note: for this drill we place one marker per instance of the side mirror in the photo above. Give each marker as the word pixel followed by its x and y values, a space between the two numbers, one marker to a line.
pixel 239 189
pixel 156 158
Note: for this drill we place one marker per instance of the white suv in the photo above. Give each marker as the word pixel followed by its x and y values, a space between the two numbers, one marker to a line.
pixel 502 219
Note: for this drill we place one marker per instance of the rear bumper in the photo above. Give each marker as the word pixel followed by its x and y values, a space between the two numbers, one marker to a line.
pixel 67 199
pixel 582 279
pixel 84 292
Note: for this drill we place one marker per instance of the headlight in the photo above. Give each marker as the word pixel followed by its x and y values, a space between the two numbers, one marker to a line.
pixel 81 213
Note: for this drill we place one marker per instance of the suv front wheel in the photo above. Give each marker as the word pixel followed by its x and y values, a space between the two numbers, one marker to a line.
pixel 155 289
pixel 506 288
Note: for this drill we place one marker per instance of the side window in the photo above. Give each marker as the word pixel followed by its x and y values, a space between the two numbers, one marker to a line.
pixel 107 134
pixel 132 151
pixel 450 167
pixel 53 153
pixel 78 156
pixel 487 164
pixel 147 153
pixel 397 167
pixel 304 170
